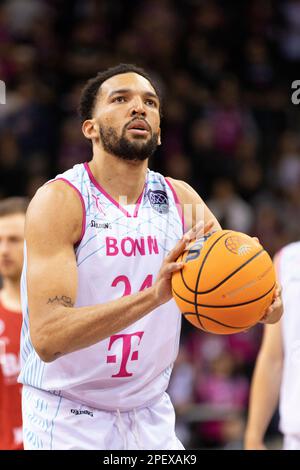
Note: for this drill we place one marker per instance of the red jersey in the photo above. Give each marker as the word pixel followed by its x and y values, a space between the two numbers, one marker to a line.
pixel 10 389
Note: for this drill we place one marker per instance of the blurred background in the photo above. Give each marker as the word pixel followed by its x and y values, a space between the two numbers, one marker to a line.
pixel 229 129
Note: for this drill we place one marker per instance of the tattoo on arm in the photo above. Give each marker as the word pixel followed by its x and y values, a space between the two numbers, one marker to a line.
pixel 63 300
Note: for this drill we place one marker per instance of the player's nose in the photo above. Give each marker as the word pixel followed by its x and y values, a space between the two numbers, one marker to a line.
pixel 138 107
pixel 4 248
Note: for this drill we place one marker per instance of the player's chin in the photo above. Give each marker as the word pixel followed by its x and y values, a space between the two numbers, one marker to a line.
pixel 11 273
pixel 138 135
pixel 139 138
pixel 6 268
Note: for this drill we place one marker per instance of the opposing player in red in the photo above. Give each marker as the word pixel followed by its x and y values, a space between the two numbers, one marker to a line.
pixel 12 218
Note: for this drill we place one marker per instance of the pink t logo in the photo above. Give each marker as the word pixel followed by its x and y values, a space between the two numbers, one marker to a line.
pixel 126 350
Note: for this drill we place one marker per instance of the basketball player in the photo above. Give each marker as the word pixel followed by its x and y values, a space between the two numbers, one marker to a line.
pixel 276 374
pixel 12 219
pixel 101 331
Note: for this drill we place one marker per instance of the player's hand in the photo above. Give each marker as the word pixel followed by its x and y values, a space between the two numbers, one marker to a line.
pixel 162 285
pixel 275 311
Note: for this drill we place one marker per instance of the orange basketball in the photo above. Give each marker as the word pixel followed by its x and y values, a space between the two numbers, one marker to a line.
pixel 227 282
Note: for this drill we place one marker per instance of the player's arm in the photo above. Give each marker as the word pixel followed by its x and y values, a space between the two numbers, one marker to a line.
pixel 265 385
pixel 53 226
pixel 194 208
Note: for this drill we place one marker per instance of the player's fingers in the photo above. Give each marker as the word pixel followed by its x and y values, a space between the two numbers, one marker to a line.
pixel 273 312
pixel 177 250
pixel 267 313
pixel 276 303
pixel 209 225
pixel 185 240
pixel 278 289
pixel 194 232
pixel 173 267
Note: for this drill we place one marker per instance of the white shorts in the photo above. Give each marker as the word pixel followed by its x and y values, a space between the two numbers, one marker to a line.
pixel 291 442
pixel 53 422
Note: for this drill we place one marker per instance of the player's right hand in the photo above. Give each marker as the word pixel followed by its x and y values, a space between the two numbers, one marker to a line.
pixel 162 285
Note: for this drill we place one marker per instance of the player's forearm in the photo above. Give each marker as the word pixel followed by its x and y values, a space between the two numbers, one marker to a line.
pixel 263 398
pixel 68 329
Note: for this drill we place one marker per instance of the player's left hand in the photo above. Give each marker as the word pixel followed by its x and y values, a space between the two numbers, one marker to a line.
pixel 275 311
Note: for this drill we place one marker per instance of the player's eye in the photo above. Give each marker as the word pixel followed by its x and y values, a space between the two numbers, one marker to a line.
pixel 119 99
pixel 150 102
pixel 14 239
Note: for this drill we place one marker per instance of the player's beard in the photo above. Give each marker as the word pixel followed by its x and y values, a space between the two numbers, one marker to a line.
pixel 137 150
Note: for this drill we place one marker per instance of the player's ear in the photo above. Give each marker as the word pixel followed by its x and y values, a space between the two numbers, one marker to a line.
pixel 159 137
pixel 89 129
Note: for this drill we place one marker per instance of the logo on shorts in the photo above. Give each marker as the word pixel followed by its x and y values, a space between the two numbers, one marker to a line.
pixel 237 245
pixel 81 412
pixel 159 201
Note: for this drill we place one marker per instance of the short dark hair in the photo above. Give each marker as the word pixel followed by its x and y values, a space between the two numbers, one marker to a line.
pixel 90 90
pixel 13 205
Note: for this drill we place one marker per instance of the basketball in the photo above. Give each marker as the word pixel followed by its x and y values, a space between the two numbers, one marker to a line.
pixel 226 283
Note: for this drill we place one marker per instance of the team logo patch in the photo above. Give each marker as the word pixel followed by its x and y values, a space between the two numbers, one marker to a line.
pixel 237 246
pixel 159 201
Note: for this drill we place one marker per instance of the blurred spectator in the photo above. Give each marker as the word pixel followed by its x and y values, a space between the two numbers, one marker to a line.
pixel 288 165
pixel 12 219
pixel 21 15
pixel 290 39
pixel 226 393
pixel 11 166
pixel 230 120
pixel 74 148
pixel 181 391
pixel 229 208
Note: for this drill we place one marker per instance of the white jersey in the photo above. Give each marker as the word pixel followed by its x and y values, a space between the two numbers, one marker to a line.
pixel 289 276
pixel 120 252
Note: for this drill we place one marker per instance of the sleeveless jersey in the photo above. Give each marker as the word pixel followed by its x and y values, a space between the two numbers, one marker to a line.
pixel 289 276
pixel 10 390
pixel 120 253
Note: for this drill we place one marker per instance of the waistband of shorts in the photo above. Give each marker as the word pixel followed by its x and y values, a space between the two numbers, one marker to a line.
pixel 96 406
pixel 111 409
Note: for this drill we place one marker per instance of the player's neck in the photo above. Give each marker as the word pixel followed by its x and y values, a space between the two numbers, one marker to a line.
pixel 119 177
pixel 10 295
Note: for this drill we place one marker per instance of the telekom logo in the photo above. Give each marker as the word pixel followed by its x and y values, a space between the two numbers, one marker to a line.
pixel 126 352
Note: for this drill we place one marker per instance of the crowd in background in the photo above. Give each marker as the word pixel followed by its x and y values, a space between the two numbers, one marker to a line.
pixel 229 129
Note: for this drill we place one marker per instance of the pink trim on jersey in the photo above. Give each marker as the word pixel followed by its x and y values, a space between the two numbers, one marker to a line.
pixel 82 204
pixel 138 203
pixel 177 202
pixel 111 199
